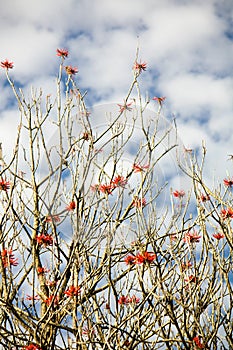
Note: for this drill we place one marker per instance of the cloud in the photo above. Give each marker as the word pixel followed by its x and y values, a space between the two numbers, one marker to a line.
pixel 187 45
pixel 193 93
pixel 31 50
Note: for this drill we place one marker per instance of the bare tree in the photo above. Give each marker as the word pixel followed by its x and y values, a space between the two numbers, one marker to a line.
pixel 97 250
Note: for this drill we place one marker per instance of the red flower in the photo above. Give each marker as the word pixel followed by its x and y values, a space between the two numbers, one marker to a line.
pixel 52 218
pixel 119 181
pixel 139 66
pixel 178 194
pixel 71 70
pixel 204 198
pixel 228 183
pixel 72 291
pixel 49 300
pixel 51 283
pixel 139 202
pixel 127 300
pixel 186 266
pixel 227 213
pixel 191 279
pixel 218 235
pixel 94 188
pixel 125 107
pixel 86 136
pixel 198 343
pixel 42 270
pixel 107 306
pixel 32 347
pixel 137 168
pixel 88 331
pixel 188 150
pixel 129 259
pixel 85 113
pixel 8 258
pixel 29 297
pixel 191 237
pixel 105 189
pixel 4 185
pixel 7 64
pixel 160 100
pixel 62 53
pixel 71 206
pixel 44 239
pixel 145 257
pixel 123 300
pixel 173 237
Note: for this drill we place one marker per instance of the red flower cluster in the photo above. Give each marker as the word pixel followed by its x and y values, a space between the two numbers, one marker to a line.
pixel 192 237
pixel 4 185
pixel 86 136
pixel 191 279
pixel 173 237
pixel 32 347
pixel 140 258
pixel 129 259
pixel 118 181
pixel 94 188
pixel 123 300
pixel 44 239
pixel 198 343
pixel 71 70
pixel 52 218
pixel 186 265
pixel 227 213
pixel 218 235
pixel 139 66
pixel 42 270
pixel 51 283
pixel 145 257
pixel 8 258
pixel 105 189
pixel 228 182
pixel 125 107
pixel 204 198
pixel 160 100
pixel 178 194
pixel 71 206
pixel 49 300
pixel 139 202
pixel 88 331
pixel 128 300
pixel 73 291
pixel 137 168
pixel 62 53
pixel 29 297
pixel 188 150
pixel 7 64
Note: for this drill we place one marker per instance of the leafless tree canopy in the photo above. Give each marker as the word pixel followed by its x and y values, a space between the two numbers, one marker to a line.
pixel 98 249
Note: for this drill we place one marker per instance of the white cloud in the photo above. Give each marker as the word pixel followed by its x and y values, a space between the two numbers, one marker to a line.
pixel 188 47
pixel 191 93
pixel 31 49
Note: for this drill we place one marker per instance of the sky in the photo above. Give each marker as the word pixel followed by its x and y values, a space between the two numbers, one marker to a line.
pixel 188 47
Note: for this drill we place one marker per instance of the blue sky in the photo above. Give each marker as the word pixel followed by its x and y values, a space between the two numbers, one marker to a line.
pixel 188 46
